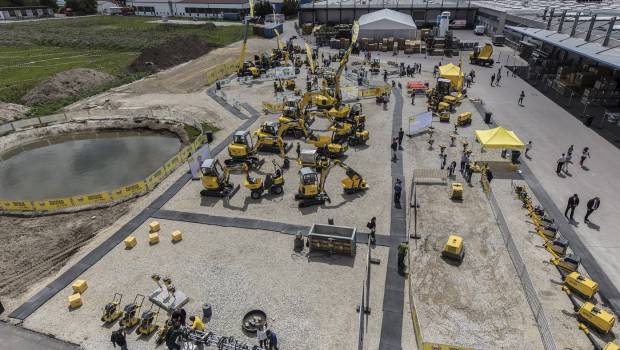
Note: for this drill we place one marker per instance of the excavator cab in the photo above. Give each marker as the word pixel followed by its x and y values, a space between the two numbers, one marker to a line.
pixel 309 191
pixel 241 150
pixel 339 111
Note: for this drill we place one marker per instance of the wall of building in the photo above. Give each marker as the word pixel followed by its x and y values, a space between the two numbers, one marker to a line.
pixel 421 16
pixel 25 12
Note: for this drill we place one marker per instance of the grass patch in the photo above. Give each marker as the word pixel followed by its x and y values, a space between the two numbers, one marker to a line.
pixel 31 52
pixel 193 133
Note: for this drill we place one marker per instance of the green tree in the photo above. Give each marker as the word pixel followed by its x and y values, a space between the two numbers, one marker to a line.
pixel 263 8
pixel 82 6
pixel 49 3
pixel 290 8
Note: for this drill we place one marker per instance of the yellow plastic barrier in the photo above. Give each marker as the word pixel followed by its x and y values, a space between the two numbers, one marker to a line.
pixel 130 242
pixel 171 164
pixel 155 178
pixel 79 286
pixel 75 301
pixel 221 70
pixel 17 205
pixel 129 191
pixel 52 204
pixel 176 236
pixel 435 346
pixel 273 107
pixel 93 198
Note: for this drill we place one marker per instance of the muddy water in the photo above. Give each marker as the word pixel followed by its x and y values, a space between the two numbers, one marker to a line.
pixel 83 163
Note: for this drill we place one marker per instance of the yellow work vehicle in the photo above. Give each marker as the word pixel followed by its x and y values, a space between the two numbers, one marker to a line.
pixel 131 312
pixel 569 263
pixel 311 158
pixel 269 137
pixel 274 183
pixel 454 249
pixel 597 346
pixel 148 324
pixel 242 150
pixel 464 119
pixel 482 56
pixel 312 183
pixel 581 285
pixel 112 310
pixel 331 147
pixel 601 320
pixel 216 179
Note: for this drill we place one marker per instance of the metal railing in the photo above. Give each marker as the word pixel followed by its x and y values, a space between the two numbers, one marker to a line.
pixel 524 277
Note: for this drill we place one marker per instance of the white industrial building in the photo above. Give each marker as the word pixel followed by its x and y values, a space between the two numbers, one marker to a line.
pixel 387 23
pixel 190 8
pixel 25 12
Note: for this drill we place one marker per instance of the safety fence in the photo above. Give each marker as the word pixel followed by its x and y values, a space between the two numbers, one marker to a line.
pixel 530 293
pixel 221 70
pixel 106 197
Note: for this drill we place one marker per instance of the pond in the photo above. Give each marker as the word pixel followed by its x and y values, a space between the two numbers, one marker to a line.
pixel 83 163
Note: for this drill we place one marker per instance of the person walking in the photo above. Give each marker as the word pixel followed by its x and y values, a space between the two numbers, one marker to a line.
pixel 584 154
pixel 272 339
pixel 521 98
pixel 528 147
pixel 560 164
pixel 567 160
pixel 398 188
pixel 172 337
pixel 592 205
pixel 499 77
pixel 394 147
pixel 442 159
pixel 413 98
pixel 464 160
pixel 573 202
pixel 492 79
pixel 119 337
pixel 451 168
pixel 298 150
pixel 468 173
pixel 569 152
pixel 372 226
pixel 401 134
pixel 261 336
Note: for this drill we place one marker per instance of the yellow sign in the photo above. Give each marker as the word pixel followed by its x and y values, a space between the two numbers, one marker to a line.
pixel 92 198
pixel 273 107
pixel 16 205
pixel 370 92
pixel 129 191
pixel 52 204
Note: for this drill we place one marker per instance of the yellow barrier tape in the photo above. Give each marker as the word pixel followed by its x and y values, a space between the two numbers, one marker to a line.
pixel 435 346
pixel 172 163
pixel 220 71
pixel 17 205
pixel 92 198
pixel 52 204
pixel 129 191
pixel 273 107
pixel 155 178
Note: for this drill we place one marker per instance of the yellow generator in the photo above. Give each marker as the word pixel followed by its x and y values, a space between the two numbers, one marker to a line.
pixel 594 341
pixel 581 285
pixel 148 323
pixel 131 312
pixel 568 263
pixel 602 320
pixel 547 231
pixel 454 249
pixel 457 191
pixel 557 247
pixel 112 310
pixel 444 117
pixel 464 119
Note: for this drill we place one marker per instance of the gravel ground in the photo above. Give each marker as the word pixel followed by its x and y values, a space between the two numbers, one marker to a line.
pixel 310 300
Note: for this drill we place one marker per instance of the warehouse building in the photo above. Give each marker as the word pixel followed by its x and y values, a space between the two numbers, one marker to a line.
pixel 221 9
pixel 25 12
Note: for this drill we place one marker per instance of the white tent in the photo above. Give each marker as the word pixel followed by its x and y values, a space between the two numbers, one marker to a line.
pixel 387 23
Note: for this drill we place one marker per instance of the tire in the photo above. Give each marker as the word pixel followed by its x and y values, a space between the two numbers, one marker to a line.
pixel 255 194
pixel 298 134
pixel 277 189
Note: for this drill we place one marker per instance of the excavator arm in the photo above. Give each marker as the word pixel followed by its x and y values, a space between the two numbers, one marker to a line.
pixel 310 59
pixel 353 182
pixel 245 36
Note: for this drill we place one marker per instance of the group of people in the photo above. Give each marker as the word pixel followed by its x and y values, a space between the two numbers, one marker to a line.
pixel 592 205
pixel 410 71
pixel 567 158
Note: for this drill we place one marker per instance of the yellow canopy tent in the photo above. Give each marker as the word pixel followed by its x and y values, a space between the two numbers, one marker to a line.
pixel 498 138
pixel 454 74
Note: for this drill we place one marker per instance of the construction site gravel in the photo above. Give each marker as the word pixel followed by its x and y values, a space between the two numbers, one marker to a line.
pixel 311 299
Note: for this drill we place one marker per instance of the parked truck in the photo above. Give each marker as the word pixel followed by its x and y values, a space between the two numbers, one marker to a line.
pixel 482 56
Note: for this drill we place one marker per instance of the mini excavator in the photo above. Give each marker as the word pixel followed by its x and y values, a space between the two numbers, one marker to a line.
pixel 216 179
pixel 312 183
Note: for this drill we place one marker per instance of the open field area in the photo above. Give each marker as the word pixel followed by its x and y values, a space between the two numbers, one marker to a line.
pixel 237 252
pixel 32 52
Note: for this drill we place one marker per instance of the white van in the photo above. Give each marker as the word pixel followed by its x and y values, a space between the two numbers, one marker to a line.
pixel 479 30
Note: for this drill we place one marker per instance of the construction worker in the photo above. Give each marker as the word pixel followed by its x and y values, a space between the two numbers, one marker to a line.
pixel 398 188
pixel 272 339
pixel 172 337
pixel 401 134
pixel 197 324
pixel 298 150
pixel 119 338
pixel 372 226
pixel 521 98
pixel 394 147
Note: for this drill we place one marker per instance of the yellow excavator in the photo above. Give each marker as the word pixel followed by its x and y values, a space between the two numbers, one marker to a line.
pixel 216 179
pixel 332 147
pixel 311 64
pixel 247 68
pixel 273 183
pixel 312 183
pixel 270 135
pixel 295 111
pixel 242 150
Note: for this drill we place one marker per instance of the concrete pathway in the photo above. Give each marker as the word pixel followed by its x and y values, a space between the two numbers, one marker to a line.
pixel 17 338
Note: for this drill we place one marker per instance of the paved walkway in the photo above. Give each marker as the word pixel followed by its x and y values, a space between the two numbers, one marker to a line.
pixel 552 130
pixel 17 338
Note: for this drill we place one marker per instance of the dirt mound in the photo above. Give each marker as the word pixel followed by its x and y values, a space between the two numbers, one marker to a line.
pixel 171 53
pixel 12 111
pixel 65 84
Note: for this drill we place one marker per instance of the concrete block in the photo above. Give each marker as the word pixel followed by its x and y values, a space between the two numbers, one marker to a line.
pixel 153 238
pixel 177 236
pixel 130 242
pixel 75 300
pixel 154 226
pixel 79 286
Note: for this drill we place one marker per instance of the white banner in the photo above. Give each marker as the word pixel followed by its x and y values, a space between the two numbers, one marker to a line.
pixel 420 122
pixel 203 153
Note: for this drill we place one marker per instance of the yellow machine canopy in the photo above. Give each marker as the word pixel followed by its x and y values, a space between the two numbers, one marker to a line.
pixel 454 74
pixel 498 138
